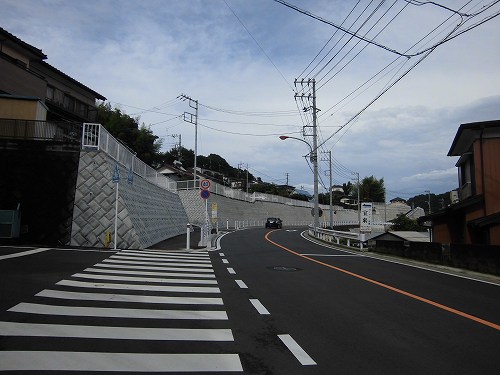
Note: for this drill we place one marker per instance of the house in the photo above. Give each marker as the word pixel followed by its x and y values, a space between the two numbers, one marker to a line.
pixel 398 236
pixel 337 189
pixel 41 114
pixel 32 88
pixel 475 218
pixel 397 200
pixel 302 192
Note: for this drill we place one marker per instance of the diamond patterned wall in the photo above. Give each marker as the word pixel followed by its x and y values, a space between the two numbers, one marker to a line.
pixel 147 214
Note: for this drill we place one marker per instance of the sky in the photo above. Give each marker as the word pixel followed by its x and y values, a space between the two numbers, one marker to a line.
pixel 393 79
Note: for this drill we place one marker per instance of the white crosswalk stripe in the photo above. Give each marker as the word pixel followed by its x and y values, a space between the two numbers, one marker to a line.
pixel 148 299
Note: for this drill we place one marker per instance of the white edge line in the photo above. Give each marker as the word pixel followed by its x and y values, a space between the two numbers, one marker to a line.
pixel 231 271
pixel 401 263
pixel 24 253
pixel 296 350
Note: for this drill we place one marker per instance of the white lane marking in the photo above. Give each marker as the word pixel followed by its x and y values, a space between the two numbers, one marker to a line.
pixel 152 288
pixel 152 268
pixel 332 255
pixel 23 253
pixel 117 362
pixel 241 284
pixel 231 271
pixel 142 279
pixel 35 308
pixel 132 298
pixel 221 254
pixel 259 307
pixel 369 256
pixel 165 255
pixel 118 259
pixel 118 333
pixel 296 350
pixel 158 258
pixel 225 261
pixel 146 273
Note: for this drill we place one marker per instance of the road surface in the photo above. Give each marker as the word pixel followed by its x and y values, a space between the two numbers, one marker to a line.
pixel 263 302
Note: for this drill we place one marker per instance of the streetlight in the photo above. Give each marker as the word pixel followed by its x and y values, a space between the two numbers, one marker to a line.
pixel 314 159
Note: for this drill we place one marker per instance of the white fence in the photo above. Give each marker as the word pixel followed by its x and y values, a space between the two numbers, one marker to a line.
pixel 96 137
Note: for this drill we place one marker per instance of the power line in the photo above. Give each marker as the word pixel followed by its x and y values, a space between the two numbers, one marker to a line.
pixel 245 134
pixel 258 44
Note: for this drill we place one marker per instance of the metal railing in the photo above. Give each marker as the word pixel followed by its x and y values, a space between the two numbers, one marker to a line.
pixel 228 192
pixel 338 237
pixel 96 137
pixel 40 130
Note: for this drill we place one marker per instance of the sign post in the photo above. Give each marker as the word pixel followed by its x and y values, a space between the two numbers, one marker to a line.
pixel 366 217
pixel 116 180
pixel 205 194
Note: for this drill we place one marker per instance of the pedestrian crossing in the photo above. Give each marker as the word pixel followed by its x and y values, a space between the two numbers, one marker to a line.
pixel 136 311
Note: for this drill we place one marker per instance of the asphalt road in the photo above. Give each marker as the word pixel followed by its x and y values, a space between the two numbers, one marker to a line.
pixel 352 314
pixel 263 302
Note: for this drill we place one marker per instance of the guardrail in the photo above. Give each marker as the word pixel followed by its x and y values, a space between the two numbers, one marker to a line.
pixel 338 237
pixel 228 192
pixel 96 137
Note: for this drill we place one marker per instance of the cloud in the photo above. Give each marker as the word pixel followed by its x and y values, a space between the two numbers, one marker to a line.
pixel 144 54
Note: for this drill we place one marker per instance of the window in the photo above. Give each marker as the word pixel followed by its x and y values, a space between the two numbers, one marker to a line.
pixel 50 93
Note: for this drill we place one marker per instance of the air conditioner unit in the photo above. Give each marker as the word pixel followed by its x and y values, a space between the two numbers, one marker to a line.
pixel 454 196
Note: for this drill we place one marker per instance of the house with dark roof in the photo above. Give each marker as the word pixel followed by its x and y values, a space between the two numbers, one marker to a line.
pixel 41 114
pixel 475 217
pixel 26 77
pixel 398 200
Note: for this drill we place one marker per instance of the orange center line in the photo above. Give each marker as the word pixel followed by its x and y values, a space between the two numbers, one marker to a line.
pixel 394 289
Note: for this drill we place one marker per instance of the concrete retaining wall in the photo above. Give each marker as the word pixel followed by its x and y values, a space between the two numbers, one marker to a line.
pixel 147 214
pixel 231 210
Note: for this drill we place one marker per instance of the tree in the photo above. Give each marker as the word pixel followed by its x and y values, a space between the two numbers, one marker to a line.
pixel 372 190
pixel 404 223
pixel 139 139
pixel 438 201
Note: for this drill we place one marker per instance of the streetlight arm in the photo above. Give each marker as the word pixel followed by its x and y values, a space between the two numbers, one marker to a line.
pixel 283 137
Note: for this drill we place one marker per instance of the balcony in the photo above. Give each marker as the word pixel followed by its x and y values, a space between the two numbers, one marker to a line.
pixel 40 130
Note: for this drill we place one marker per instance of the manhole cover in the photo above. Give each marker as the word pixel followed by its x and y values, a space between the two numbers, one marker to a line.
pixel 284 269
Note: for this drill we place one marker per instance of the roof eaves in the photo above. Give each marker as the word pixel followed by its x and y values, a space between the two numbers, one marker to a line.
pixel 95 93
pixel 36 51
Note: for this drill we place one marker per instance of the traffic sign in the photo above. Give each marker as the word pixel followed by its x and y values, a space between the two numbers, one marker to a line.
pixel 205 184
pixel 116 175
pixel 320 212
pixel 205 194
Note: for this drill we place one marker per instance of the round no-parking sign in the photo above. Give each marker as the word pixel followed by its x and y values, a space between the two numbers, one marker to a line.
pixel 205 184
pixel 205 194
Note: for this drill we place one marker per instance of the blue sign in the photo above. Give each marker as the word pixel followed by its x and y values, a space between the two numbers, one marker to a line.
pixel 116 175
pixel 130 176
pixel 205 194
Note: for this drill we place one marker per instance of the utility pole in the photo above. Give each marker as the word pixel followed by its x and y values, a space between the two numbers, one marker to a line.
pixel 239 166
pixel 331 193
pixel 305 87
pixel 178 145
pixel 429 200
pixel 359 202
pixel 193 119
